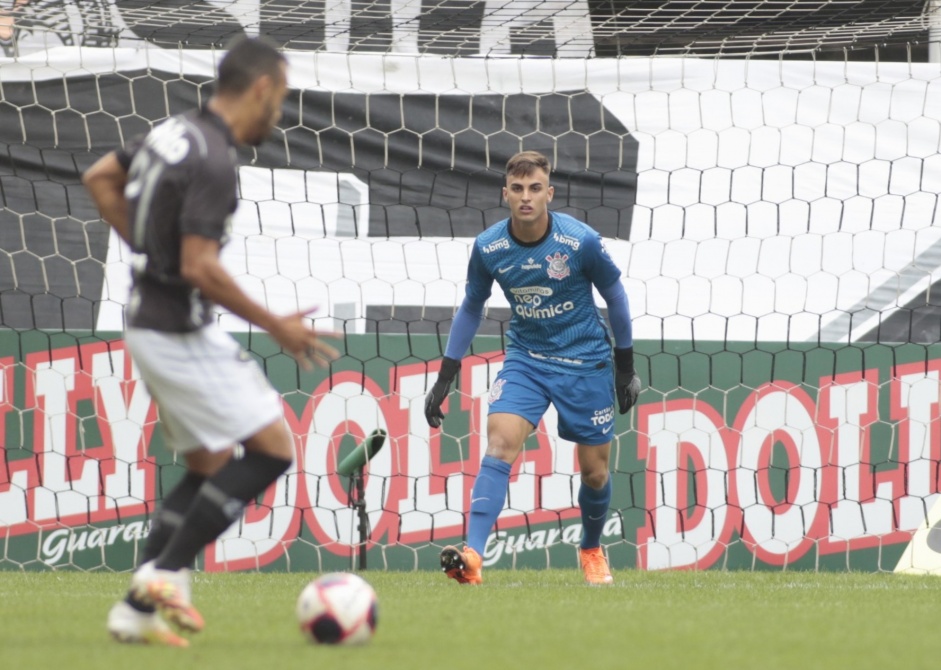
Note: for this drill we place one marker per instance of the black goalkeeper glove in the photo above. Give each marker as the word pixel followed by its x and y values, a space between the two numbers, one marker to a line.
pixel 433 414
pixel 626 381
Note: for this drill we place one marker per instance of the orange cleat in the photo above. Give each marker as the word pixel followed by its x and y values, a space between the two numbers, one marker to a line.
pixel 595 566
pixel 168 591
pixel 462 566
pixel 130 626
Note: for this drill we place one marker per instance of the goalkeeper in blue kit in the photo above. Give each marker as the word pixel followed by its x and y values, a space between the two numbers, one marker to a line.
pixel 558 351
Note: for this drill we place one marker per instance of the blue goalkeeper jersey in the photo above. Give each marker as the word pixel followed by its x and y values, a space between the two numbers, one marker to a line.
pixel 548 284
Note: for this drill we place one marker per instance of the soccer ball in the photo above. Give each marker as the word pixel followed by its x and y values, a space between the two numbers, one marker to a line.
pixel 338 608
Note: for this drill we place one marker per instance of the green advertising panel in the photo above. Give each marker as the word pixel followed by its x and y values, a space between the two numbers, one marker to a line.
pixel 768 457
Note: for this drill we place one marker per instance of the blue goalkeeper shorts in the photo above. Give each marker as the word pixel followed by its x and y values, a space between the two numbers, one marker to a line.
pixel 585 404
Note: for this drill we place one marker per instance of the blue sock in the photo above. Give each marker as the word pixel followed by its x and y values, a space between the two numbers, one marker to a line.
pixel 487 498
pixel 594 504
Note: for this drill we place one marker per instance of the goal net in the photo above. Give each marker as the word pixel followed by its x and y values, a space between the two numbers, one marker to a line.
pixel 765 173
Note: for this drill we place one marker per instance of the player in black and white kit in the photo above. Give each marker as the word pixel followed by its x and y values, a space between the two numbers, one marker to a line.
pixel 171 196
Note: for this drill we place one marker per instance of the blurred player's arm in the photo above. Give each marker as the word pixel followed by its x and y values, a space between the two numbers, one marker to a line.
pixel 105 181
pixel 463 329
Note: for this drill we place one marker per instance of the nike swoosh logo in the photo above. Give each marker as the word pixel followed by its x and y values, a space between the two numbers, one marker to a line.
pixel 473 500
pixel 502 270
pixel 607 430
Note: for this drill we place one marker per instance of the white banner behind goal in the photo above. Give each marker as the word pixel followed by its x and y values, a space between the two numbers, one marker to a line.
pixel 773 199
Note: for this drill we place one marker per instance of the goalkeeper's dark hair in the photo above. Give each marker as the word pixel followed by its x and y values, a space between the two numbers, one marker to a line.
pixel 247 60
pixel 525 163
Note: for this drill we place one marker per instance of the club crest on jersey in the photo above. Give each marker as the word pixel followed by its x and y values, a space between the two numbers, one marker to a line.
pixel 558 266
pixel 496 391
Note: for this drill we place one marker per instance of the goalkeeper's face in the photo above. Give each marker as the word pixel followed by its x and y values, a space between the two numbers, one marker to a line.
pixel 528 197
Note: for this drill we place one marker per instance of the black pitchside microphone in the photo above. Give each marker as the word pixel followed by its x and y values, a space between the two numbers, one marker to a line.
pixel 363 453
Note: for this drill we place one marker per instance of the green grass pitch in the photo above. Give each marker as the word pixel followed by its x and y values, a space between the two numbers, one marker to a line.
pixel 534 619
